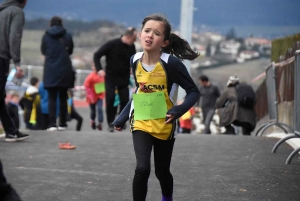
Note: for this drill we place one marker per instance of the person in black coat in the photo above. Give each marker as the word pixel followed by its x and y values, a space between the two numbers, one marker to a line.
pixel 57 46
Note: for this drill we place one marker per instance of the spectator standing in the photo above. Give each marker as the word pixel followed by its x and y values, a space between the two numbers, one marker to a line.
pixel 11 29
pixel 94 98
pixel 57 46
pixel 117 72
pixel 209 93
pixel 236 106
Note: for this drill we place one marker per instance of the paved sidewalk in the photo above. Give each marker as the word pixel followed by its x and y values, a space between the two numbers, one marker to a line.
pixel 204 167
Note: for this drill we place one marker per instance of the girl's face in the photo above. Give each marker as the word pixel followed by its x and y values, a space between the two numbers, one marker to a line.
pixel 152 36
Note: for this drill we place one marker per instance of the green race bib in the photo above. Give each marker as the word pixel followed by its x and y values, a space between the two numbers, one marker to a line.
pixel 99 87
pixel 149 106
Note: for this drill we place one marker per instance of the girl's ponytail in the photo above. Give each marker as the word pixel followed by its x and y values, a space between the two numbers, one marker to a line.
pixel 180 48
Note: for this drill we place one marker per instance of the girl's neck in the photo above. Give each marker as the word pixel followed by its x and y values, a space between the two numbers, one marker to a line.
pixel 151 58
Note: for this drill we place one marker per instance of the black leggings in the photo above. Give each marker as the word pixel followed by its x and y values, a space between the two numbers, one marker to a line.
pixel 143 143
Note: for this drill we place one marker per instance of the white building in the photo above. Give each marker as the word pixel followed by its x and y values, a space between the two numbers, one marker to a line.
pixel 230 47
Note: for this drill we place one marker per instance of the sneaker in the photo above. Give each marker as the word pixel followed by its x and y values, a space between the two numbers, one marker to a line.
pixel 66 145
pixel 52 129
pixel 18 137
pixel 111 128
pixel 11 138
pixel 62 128
pixel 22 136
pixel 93 125
pixel 2 135
pixel 99 127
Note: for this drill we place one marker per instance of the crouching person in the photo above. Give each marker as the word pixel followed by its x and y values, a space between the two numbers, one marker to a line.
pixel 30 103
pixel 236 106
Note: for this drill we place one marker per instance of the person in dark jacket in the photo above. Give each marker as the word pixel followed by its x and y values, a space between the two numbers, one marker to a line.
pixel 117 72
pixel 234 111
pixel 13 109
pixel 11 29
pixel 209 93
pixel 57 46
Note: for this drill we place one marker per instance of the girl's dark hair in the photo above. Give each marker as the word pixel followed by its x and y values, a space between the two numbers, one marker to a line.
pixel 177 46
pixel 55 20
pixel 20 1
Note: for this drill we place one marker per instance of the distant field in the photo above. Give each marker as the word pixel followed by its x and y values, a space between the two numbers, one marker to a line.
pixel 85 44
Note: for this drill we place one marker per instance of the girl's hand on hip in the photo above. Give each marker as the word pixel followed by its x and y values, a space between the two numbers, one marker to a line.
pixel 169 118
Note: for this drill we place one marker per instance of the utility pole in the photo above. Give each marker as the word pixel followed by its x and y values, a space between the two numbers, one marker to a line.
pixel 186 27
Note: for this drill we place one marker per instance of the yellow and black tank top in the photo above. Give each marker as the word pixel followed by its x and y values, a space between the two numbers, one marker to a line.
pixel 149 82
pixel 168 74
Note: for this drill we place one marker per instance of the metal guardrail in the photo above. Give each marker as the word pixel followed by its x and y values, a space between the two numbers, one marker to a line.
pixel 296 133
pixel 272 103
pixel 37 71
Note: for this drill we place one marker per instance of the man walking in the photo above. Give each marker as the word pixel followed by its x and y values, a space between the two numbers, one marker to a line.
pixel 11 28
pixel 117 72
pixel 209 94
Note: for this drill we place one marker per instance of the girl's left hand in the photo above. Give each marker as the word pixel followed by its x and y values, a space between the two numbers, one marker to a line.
pixel 169 118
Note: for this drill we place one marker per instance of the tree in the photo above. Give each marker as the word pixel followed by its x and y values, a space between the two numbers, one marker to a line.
pixel 208 49
pixel 231 34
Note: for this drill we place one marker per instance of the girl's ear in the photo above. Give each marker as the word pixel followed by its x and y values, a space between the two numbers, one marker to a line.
pixel 140 35
pixel 165 43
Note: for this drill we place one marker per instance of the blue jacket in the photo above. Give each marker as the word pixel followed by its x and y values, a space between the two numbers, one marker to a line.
pixel 44 100
pixel 57 46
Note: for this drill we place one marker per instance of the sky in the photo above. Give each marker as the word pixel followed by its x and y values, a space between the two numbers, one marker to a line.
pixel 209 12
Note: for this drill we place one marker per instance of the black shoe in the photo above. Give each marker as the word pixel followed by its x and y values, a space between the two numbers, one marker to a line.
pixel 99 127
pixel 111 128
pixel 93 125
pixel 17 137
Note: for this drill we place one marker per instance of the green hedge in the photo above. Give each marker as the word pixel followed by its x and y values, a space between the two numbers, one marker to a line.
pixel 281 45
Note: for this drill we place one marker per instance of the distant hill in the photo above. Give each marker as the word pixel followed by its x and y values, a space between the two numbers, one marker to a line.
pixel 211 13
pixel 72 26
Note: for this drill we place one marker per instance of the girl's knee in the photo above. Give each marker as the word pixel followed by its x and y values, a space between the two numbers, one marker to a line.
pixel 162 173
pixel 142 170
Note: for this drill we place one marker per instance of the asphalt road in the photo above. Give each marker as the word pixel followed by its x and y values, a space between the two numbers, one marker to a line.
pixel 204 167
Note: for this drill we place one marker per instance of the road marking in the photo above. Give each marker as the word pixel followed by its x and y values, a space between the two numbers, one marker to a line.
pixel 69 171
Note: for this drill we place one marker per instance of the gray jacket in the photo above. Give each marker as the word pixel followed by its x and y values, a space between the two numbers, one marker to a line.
pixel 11 28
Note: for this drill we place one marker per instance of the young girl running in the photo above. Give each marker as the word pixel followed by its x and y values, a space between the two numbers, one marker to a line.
pixel 152 121
pixel 94 97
